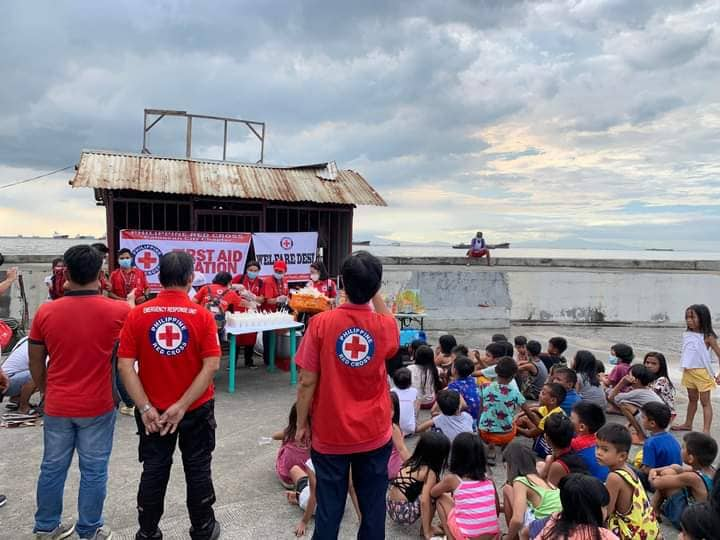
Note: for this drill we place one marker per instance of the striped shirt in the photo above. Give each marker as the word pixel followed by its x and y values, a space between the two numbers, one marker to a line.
pixel 475 510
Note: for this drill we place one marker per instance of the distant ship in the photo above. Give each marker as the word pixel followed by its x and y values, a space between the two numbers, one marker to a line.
pixel 659 249
pixel 58 236
pixel 361 242
pixel 504 245
pixel 84 237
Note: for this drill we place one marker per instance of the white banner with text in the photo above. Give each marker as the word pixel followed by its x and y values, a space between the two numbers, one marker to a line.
pixel 297 249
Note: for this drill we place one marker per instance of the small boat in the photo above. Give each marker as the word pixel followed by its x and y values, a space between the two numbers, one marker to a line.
pixel 361 242
pixel 461 246
pixel 58 236
pixel 659 249
pixel 395 244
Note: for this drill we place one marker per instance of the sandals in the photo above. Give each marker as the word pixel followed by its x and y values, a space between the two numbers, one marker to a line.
pixel 680 427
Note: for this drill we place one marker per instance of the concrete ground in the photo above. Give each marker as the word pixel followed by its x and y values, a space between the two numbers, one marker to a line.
pixel 250 501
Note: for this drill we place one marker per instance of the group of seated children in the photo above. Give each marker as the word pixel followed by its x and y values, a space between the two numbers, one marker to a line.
pixel 486 399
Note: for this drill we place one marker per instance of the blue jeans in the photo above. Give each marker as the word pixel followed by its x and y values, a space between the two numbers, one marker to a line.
pixel 370 479
pixel 93 438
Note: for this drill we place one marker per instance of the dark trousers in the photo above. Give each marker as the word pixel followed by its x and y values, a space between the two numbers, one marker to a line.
pixel 369 472
pixel 122 392
pixel 196 436
pixel 248 351
pixel 266 347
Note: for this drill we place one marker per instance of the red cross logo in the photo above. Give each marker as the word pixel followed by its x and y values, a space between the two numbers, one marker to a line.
pixel 286 243
pixel 170 335
pixel 355 347
pixel 147 260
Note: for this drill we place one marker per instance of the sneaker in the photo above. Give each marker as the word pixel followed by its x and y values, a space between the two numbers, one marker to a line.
pixel 157 535
pixel 61 531
pixel 3 500
pixel 103 533
pixel 127 411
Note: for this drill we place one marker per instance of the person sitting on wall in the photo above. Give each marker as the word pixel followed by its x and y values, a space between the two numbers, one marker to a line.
pixel 127 279
pixel 478 248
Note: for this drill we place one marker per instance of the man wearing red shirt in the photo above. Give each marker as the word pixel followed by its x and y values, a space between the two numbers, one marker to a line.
pixel 276 297
pixel 78 332
pixel 175 344
pixel 344 380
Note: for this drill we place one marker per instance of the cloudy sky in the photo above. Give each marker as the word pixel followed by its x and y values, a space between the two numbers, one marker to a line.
pixel 559 122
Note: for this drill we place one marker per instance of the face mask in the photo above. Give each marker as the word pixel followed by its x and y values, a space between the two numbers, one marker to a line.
pixel 613 360
pixel 252 275
pixel 279 275
pixel 125 263
pixel 314 277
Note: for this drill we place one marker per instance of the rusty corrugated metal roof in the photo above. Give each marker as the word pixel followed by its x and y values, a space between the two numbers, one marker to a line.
pixel 320 183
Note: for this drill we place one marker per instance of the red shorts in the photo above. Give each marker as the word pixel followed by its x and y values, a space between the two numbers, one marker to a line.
pixel 499 439
pixel 479 253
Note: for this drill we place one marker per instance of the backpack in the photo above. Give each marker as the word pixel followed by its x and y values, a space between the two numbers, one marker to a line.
pixel 215 306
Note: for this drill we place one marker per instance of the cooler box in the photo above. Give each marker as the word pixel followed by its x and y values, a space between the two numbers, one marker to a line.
pixel 409 335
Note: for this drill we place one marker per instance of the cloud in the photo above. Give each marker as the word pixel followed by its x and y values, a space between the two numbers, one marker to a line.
pixel 537 120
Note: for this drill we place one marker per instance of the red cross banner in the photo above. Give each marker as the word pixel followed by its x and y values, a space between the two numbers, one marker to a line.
pixel 212 252
pixel 297 249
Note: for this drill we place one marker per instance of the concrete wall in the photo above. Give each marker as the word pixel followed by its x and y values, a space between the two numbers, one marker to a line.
pixel 466 297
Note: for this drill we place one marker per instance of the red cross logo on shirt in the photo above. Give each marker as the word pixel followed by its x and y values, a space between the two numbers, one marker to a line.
pixel 147 260
pixel 355 347
pixel 169 335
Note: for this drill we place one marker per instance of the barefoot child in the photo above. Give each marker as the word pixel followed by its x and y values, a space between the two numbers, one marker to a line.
pixel 630 515
pixel 587 419
pixel 678 486
pixel 698 370
pixel 467 501
pixel 408 498
pixel 532 372
pixel 500 403
pixel 303 493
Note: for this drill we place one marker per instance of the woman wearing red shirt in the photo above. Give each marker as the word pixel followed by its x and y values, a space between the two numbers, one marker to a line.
pixel 252 289
pixel 320 280
pixel 127 278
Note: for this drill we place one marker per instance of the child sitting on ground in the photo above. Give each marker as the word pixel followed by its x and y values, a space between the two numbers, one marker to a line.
pixel 452 420
pixel 587 419
pixel 533 373
pixel 493 353
pixel 568 378
pixel 425 376
pixel 583 499
pixel 521 352
pixel 407 395
pixel 630 515
pixel 467 501
pixel 408 498
pixel 464 384
pixel 588 387
pixel 660 448
pixel 554 355
pixel 500 404
pixel 443 352
pixel 621 356
pixel 399 453
pixel 631 401
pixel 291 453
pixel 678 486
pixel 533 425
pixel 700 522
pixel 662 385
pixel 564 460
pixel 525 489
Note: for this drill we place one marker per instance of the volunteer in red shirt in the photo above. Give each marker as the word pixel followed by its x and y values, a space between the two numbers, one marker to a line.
pixel 344 380
pixel 251 288
pixel 320 280
pixel 276 293
pixel 128 278
pixel 220 291
pixel 175 344
pixel 78 332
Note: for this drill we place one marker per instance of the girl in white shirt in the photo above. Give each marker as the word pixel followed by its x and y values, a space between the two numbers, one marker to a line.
pixel 699 375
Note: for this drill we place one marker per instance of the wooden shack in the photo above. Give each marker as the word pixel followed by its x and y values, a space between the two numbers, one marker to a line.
pixel 142 191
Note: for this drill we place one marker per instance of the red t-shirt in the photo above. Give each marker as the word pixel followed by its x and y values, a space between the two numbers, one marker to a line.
pixel 121 283
pixel 169 337
pixel 227 299
pixel 255 286
pixel 325 286
pixel 348 347
pixel 79 332
pixel 273 289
